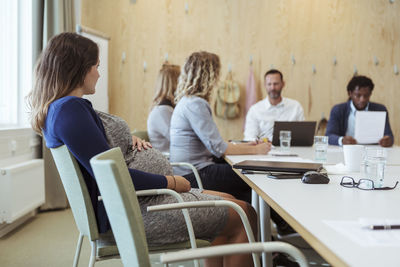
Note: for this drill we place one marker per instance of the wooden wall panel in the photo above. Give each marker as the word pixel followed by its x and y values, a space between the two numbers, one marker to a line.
pixel 271 31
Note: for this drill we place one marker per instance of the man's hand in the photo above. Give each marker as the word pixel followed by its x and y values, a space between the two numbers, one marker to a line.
pixel 348 140
pixel 178 183
pixel 139 143
pixel 386 141
pixel 263 148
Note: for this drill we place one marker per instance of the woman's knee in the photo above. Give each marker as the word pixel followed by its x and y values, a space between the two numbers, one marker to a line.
pixel 248 209
pixel 224 195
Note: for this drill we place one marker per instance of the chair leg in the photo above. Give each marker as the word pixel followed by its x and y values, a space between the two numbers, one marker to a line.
pixel 256 205
pixel 78 250
pixel 92 260
pixel 265 225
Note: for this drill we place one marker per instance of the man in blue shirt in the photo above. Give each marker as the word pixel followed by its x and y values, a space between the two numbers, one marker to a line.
pixel 341 122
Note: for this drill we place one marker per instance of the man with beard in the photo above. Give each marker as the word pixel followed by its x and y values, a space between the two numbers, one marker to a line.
pixel 341 124
pixel 262 115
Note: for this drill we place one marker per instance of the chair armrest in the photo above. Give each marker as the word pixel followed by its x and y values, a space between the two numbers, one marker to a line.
pixel 178 197
pixel 214 251
pixel 213 203
pixel 210 203
pixel 194 170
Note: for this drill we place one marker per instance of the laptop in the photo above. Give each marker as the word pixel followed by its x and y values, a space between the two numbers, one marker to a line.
pixel 302 132
pixel 277 166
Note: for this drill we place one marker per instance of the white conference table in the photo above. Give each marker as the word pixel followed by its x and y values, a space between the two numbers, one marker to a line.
pixel 309 208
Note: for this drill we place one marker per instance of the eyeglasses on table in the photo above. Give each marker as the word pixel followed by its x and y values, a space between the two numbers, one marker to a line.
pixel 363 184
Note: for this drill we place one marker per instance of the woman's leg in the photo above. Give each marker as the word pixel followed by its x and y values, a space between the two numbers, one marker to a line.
pixel 221 177
pixel 220 194
pixel 233 233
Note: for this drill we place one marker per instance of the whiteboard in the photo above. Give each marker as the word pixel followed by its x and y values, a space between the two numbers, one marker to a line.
pixel 100 98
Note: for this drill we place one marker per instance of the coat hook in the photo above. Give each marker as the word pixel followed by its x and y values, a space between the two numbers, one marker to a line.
pixel 334 61
pixel 314 70
pixel 123 57
pixel 229 67
pixel 376 61
pixel 144 66
pixel 251 59
pixel 166 57
pixel 395 69
pixel 186 8
pixel 293 59
pixel 355 71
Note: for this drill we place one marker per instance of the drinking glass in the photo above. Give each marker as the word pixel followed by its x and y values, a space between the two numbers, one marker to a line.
pixel 374 165
pixel 284 139
pixel 321 148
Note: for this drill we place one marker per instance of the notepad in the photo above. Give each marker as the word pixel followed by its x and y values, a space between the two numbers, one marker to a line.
pixel 369 126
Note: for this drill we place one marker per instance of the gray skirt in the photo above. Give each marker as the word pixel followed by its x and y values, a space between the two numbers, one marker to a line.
pixel 166 227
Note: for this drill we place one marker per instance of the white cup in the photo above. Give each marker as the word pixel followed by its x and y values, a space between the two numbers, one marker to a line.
pixel 353 156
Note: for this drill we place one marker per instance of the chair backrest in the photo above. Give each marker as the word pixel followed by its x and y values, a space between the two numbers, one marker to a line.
pixel 321 127
pixel 141 134
pixel 77 192
pixel 122 206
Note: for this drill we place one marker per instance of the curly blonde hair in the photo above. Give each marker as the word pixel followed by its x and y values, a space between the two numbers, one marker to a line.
pixel 198 76
pixel 166 84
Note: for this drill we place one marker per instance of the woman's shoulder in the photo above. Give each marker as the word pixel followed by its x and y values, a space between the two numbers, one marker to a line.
pixel 70 107
pixel 192 102
pixel 69 102
pixel 160 111
pixel 161 108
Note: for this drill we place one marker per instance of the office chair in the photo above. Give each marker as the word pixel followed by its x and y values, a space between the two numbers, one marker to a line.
pixel 122 207
pixel 103 245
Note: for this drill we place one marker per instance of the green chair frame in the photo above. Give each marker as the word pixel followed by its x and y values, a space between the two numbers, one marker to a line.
pixel 122 207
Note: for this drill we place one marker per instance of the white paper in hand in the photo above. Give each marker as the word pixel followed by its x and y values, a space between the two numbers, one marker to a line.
pixel 369 126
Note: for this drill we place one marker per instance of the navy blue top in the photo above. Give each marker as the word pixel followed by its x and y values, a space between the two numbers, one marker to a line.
pixel 72 121
pixel 337 123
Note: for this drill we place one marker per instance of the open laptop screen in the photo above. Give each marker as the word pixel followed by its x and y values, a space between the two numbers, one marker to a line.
pixel 302 132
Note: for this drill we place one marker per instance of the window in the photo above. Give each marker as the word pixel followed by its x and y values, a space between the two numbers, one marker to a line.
pixel 16 62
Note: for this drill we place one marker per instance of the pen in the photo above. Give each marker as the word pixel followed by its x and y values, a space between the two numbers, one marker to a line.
pixel 385 227
pixel 284 155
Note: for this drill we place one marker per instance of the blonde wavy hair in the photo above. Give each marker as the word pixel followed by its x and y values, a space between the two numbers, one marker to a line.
pixel 61 68
pixel 166 84
pixel 198 76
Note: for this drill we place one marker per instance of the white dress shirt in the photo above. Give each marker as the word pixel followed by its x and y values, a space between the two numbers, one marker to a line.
pixel 262 115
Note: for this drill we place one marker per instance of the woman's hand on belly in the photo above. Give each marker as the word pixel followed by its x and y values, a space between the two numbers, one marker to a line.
pixel 140 143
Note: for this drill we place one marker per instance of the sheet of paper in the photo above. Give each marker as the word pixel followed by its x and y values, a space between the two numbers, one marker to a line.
pixel 357 232
pixel 369 126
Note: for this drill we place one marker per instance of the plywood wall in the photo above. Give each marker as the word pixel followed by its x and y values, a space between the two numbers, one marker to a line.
pixel 313 32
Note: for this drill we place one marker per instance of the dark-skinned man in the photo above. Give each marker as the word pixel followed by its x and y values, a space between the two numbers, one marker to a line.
pixel 341 122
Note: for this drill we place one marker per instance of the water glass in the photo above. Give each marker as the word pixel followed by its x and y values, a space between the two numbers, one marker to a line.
pixel 374 165
pixel 284 139
pixel 321 148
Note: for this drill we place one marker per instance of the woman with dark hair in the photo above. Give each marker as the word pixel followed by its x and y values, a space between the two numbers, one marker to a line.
pixel 159 118
pixel 67 70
